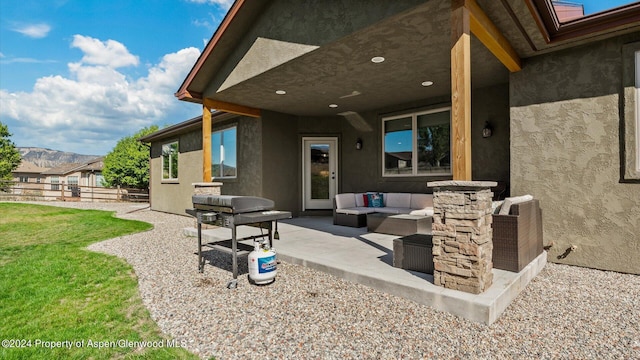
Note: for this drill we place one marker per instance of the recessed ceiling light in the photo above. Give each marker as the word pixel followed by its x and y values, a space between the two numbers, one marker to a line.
pixel 280 92
pixel 427 83
pixel 333 105
pixel 377 59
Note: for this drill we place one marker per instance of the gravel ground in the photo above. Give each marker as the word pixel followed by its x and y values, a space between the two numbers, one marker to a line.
pixel 566 312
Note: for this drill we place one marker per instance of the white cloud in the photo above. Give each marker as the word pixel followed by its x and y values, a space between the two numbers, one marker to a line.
pixel 6 60
pixel 96 104
pixel 223 4
pixel 36 31
pixel 109 53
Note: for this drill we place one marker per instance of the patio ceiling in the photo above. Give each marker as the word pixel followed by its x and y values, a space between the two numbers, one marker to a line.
pixel 416 47
pixel 415 43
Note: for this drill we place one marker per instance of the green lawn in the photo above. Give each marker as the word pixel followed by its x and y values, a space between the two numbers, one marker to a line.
pixel 52 289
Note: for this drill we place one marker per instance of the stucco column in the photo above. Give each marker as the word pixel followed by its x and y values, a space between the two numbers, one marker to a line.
pixel 462 235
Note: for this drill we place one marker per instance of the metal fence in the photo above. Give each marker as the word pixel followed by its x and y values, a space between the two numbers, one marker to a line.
pixel 32 191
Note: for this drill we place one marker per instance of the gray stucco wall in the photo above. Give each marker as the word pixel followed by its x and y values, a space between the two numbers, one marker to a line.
pixel 269 153
pixel 249 156
pixel 362 170
pixel 175 196
pixel 281 162
pixel 490 156
pixel 565 151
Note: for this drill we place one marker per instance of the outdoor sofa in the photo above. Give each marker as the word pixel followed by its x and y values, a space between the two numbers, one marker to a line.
pixel 351 209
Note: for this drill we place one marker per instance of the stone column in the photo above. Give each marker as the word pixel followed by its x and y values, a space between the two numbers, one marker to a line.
pixel 207 188
pixel 462 235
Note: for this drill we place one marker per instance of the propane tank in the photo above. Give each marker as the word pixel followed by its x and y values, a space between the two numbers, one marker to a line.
pixel 262 264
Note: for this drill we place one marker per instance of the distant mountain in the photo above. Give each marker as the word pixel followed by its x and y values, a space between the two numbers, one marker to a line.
pixel 48 158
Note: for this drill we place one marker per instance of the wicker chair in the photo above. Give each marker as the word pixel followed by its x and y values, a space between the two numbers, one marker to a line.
pixel 517 237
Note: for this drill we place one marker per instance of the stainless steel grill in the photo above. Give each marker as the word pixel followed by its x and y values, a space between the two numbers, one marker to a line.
pixel 230 211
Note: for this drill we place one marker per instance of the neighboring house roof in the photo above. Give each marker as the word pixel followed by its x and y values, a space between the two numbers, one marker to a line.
pixel 93 165
pixel 63 169
pixel 29 167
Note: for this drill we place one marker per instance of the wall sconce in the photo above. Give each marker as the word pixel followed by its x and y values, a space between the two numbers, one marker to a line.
pixel 487 131
pixel 359 144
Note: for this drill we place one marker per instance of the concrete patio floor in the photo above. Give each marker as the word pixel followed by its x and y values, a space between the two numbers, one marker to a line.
pixel 367 258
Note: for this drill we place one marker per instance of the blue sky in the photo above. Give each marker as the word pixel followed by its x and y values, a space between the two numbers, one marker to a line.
pixel 594 6
pixel 78 75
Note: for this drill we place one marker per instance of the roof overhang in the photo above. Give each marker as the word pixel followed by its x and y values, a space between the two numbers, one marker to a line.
pixel 235 23
pixel 184 127
pixel 415 43
pixel 337 76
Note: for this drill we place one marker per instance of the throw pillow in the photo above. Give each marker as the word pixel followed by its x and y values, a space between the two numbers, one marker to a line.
pixel 375 200
pixel 365 198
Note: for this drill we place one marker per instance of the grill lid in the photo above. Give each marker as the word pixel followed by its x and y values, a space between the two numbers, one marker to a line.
pixel 237 204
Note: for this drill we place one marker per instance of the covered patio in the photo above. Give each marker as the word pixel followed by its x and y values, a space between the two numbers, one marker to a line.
pixel 367 258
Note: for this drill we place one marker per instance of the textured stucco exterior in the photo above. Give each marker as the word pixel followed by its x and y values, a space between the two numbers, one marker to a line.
pixel 249 178
pixel 174 196
pixel 566 121
pixel 362 170
pixel 269 151
pixel 294 22
pixel 281 161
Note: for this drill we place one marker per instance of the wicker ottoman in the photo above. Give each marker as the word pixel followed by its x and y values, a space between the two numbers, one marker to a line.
pixel 413 252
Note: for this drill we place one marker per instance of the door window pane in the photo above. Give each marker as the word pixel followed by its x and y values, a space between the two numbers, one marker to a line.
pixel 319 171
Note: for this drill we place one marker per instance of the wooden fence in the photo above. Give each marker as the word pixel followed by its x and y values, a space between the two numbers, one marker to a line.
pixel 21 191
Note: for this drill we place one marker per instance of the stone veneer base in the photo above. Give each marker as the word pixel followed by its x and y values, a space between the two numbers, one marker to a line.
pixel 462 234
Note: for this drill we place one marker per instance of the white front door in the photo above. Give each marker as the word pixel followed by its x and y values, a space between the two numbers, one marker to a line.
pixel 319 171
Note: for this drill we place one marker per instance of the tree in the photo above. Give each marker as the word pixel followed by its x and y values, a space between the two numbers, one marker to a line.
pixel 128 163
pixel 434 142
pixel 9 156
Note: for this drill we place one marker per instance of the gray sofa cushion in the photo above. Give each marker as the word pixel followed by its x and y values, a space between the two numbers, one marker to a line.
pixel 357 210
pixel 393 210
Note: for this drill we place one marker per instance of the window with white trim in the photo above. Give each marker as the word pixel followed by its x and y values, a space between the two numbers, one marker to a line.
pixel 99 180
pixel 224 162
pixel 55 183
pixel 72 180
pixel 170 161
pixel 417 144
